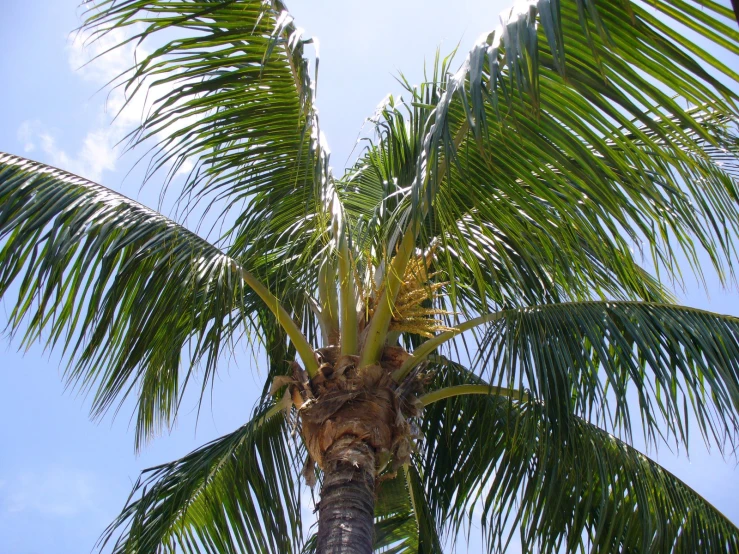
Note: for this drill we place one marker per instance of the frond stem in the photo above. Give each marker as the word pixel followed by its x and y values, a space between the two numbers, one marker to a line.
pixel 272 412
pixel 459 390
pixel 412 495
pixel 303 347
pixel 329 302
pixel 349 320
pixel 422 352
pixel 376 334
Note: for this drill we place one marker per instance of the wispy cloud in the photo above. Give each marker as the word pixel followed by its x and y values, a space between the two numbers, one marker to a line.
pixel 96 155
pixel 98 62
pixel 26 134
pixel 116 115
pixel 99 151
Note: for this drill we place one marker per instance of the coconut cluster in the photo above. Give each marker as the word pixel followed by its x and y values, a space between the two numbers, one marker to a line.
pixel 347 405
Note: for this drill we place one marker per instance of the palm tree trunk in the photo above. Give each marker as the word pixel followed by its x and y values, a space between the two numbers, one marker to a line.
pixel 347 506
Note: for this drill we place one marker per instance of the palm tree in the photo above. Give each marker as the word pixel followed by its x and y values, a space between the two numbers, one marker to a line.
pixel 458 320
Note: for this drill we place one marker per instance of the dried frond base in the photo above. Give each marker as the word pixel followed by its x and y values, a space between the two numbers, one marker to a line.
pixel 345 403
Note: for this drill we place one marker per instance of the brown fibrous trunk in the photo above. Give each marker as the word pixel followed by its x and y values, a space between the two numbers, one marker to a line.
pixel 355 421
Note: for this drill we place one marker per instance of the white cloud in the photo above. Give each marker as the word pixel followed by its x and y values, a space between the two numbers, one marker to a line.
pixel 96 63
pixel 99 151
pixel 106 72
pixel 26 134
pixel 117 115
pixel 82 54
pixel 55 492
pixel 97 154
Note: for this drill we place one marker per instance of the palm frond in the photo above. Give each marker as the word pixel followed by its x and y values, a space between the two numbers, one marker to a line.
pixel 238 493
pixel 505 462
pixel 139 303
pixel 234 97
pixel 403 520
pixel 396 529
pixel 573 132
pixel 509 262
pixel 589 358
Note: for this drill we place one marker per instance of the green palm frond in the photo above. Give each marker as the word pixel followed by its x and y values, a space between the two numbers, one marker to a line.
pixel 512 261
pixel 310 545
pixel 236 98
pixel 238 493
pixel 590 492
pixel 139 303
pixel 574 230
pixel 395 526
pixel 403 521
pixel 589 358
pixel 571 133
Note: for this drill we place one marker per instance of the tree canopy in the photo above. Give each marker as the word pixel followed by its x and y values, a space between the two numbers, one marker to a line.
pixel 511 228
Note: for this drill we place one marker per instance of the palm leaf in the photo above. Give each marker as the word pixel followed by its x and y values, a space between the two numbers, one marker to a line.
pixel 235 97
pixel 238 493
pixel 590 492
pixel 509 262
pixel 403 520
pixel 587 358
pixel 133 297
pixel 562 141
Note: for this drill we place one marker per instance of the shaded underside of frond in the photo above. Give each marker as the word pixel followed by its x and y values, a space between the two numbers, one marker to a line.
pixel 506 463
pixel 239 493
pixel 404 522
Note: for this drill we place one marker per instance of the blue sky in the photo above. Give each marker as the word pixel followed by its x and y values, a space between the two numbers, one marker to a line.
pixel 63 477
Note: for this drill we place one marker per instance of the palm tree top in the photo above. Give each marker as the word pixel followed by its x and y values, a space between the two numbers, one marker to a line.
pixel 520 213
